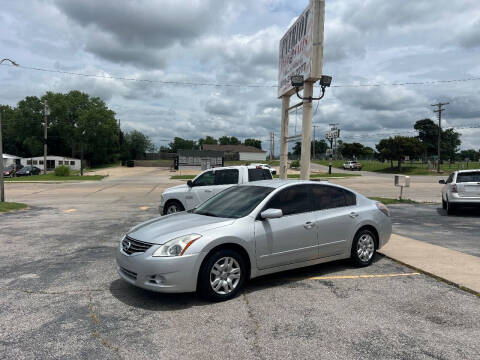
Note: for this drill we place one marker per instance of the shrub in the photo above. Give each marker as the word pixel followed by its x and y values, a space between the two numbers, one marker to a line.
pixel 295 164
pixel 62 170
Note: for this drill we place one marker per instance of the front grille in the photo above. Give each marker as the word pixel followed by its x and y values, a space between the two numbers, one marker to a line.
pixel 131 246
pixel 129 273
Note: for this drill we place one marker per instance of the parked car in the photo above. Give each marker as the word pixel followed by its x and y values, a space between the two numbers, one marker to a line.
pixel 251 230
pixel 28 170
pixel 10 170
pixel 461 188
pixel 266 166
pixel 352 165
pixel 207 184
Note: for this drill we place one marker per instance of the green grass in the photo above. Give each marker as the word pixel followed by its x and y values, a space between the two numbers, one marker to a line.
pixel 290 176
pixel 388 201
pixel 182 177
pixel 408 168
pixel 52 177
pixel 11 206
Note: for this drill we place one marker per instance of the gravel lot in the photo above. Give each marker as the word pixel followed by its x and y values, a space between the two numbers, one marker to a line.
pixel 61 296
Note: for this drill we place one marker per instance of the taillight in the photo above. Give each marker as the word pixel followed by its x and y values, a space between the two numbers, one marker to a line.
pixel 383 208
pixel 454 188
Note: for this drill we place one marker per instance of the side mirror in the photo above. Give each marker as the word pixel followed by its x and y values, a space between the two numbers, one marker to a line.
pixel 441 181
pixel 190 183
pixel 271 214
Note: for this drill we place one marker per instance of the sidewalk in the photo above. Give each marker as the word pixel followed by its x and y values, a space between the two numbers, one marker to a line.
pixel 450 265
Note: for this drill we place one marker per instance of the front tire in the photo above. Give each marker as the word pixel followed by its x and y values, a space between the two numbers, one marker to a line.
pixel 222 275
pixel 363 248
pixel 172 207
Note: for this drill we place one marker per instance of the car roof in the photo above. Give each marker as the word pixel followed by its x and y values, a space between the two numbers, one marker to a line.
pixel 467 170
pixel 277 183
pixel 233 167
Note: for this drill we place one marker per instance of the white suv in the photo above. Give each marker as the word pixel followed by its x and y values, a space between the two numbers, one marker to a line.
pixel 461 188
pixel 207 184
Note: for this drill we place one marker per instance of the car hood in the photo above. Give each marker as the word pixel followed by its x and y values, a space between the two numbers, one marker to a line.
pixel 165 228
pixel 180 188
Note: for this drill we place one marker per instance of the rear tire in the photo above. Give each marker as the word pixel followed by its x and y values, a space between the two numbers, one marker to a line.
pixel 450 208
pixel 363 248
pixel 222 275
pixel 444 205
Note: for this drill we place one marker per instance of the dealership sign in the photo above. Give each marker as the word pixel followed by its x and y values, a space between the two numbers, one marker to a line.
pixel 301 48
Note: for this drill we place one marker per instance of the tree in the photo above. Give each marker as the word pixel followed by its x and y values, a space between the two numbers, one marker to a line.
pixel 226 140
pixel 428 135
pixel 352 150
pixel 208 140
pixel 135 145
pixel 254 143
pixel 470 154
pixel 398 147
pixel 320 147
pixel 182 144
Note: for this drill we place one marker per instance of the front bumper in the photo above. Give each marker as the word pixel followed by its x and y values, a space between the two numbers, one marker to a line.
pixel 160 274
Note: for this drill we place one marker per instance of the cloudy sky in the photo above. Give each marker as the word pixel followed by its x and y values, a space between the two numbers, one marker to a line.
pixel 236 42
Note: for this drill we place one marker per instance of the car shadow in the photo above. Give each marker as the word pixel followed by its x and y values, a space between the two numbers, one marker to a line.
pixel 463 212
pixel 148 300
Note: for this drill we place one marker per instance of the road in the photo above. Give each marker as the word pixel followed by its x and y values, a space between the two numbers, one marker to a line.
pixel 61 296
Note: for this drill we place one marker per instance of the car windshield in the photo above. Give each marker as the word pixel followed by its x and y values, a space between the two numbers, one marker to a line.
pixel 234 202
pixel 473 176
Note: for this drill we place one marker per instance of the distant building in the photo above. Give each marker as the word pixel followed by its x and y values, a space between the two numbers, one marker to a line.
pixel 239 152
pixel 11 160
pixel 198 159
pixel 52 162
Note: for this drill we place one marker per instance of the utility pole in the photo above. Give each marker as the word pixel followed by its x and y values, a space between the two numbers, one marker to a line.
pixel 45 126
pixel 2 188
pixel 439 111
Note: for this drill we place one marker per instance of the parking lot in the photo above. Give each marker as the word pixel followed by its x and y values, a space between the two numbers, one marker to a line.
pixel 61 295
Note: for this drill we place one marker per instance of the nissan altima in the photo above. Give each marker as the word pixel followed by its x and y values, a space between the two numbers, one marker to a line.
pixel 251 230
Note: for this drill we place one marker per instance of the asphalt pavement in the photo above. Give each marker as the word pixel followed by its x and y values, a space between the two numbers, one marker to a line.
pixel 60 296
pixel 430 223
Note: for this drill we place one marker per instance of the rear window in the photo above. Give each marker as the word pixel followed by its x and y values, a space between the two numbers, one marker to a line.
pixel 473 176
pixel 259 174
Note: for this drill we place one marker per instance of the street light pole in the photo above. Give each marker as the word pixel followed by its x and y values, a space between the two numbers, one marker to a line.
pixel 2 186
pixel 45 127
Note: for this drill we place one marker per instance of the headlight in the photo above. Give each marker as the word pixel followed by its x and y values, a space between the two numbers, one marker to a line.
pixel 177 246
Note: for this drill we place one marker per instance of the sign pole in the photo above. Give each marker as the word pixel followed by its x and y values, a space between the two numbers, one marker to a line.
pixel 306 131
pixel 283 138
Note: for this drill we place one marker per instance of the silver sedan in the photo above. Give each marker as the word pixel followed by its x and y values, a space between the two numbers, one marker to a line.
pixel 252 230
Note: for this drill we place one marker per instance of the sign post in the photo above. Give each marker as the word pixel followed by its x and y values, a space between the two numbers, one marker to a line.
pixel 301 53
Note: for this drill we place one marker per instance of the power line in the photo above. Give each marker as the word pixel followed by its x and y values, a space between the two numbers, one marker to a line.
pixel 187 83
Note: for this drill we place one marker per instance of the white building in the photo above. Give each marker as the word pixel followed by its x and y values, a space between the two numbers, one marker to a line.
pixel 11 160
pixel 52 162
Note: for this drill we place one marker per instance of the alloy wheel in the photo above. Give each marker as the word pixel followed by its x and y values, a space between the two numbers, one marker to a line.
pixel 225 275
pixel 365 247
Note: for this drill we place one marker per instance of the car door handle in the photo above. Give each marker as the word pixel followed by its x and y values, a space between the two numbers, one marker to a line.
pixel 353 215
pixel 208 190
pixel 309 225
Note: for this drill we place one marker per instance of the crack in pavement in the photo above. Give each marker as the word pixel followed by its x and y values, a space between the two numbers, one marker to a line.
pixel 96 323
pixel 256 345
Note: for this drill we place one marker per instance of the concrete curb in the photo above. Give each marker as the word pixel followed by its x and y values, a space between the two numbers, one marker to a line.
pixel 450 266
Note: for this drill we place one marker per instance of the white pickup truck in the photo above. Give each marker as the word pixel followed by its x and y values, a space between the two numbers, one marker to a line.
pixel 207 184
